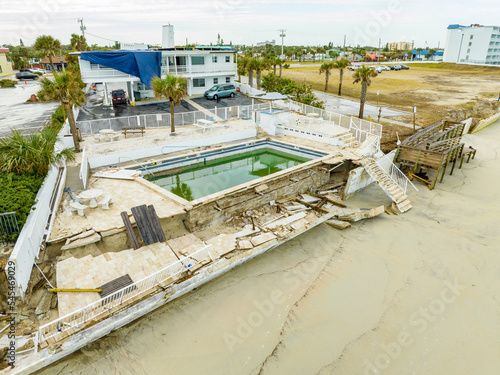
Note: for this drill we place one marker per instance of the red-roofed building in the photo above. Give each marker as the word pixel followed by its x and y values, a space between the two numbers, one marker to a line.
pixel 374 56
pixel 5 64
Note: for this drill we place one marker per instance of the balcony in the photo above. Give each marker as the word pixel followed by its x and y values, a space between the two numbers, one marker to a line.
pixel 195 69
pixel 106 73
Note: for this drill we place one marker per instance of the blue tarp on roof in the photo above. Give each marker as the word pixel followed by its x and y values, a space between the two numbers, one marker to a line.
pixel 426 51
pixel 456 26
pixel 143 64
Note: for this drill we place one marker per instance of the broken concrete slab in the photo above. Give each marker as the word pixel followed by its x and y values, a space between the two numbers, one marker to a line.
pixel 367 214
pixel 82 242
pixel 222 244
pixel 286 220
pixel 310 199
pixel 260 239
pixel 299 225
pixel 180 243
pixel 261 188
pixel 245 245
pixel 44 304
pixel 337 224
pixel 79 236
pixel 247 231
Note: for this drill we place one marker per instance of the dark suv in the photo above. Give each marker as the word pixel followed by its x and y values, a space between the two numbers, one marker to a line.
pixel 119 97
pixel 26 75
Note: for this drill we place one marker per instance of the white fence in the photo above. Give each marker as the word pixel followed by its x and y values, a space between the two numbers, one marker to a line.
pixel 78 319
pixel 84 168
pixel 161 120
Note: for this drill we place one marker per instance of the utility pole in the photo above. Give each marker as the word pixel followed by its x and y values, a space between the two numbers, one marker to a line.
pixel 378 54
pixel 344 44
pixel 282 35
pixel 82 27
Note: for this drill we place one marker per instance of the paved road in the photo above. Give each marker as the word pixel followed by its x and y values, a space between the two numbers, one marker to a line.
pixel 16 113
pixel 350 107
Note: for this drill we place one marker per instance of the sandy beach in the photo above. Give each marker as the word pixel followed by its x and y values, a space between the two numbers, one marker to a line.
pixel 417 293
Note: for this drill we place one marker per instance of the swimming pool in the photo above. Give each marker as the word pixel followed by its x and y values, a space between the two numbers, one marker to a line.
pixel 200 174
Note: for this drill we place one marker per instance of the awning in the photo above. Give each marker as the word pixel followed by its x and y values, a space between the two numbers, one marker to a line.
pixel 145 65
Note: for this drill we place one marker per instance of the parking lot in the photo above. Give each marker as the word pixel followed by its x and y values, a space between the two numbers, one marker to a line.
pixel 94 108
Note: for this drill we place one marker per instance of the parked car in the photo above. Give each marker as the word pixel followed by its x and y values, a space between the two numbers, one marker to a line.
pixel 405 67
pixel 119 97
pixel 395 67
pixel 26 75
pixel 37 70
pixel 220 91
pixel 355 66
pixel 385 67
pixel 378 69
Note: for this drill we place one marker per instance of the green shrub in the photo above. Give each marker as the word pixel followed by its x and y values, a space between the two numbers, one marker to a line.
pixel 300 92
pixel 286 66
pixel 58 117
pixel 7 83
pixel 18 195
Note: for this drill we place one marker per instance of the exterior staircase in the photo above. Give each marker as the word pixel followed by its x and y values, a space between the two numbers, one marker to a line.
pixel 393 190
pixel 348 139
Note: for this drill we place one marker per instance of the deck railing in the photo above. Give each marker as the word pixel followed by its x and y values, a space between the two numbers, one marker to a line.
pixel 77 319
pixel 396 175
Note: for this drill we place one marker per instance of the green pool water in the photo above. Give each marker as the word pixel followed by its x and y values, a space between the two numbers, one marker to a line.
pixel 202 179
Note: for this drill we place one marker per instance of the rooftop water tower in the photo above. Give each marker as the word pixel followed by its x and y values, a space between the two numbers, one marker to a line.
pixel 167 40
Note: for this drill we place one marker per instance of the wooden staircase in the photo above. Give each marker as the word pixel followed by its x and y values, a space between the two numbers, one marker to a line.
pixel 398 196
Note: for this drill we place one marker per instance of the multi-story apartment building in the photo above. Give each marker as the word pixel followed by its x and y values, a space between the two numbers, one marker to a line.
pixel 474 44
pixel 403 46
pixel 202 66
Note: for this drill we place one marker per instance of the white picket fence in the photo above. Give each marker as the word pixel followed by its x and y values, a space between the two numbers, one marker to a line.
pixel 92 312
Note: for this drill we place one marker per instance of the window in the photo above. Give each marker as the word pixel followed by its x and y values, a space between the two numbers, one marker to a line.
pixel 197 60
pixel 470 44
pixel 216 81
pixel 94 66
pixel 198 82
pixel 228 59
pixel 472 37
pixel 468 51
pixel 228 79
pixel 214 59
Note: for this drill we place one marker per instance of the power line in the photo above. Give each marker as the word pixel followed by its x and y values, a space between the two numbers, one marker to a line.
pixel 97 36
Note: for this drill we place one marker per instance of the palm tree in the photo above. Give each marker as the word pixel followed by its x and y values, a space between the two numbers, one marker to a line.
pixel 67 89
pixel 173 88
pixel 341 65
pixel 326 68
pixel 261 65
pixel 363 75
pixel 48 46
pixel 251 67
pixel 419 50
pixel 280 62
pixel 21 154
pixel 242 66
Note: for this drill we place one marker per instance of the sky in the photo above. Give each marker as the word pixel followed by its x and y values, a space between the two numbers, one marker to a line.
pixel 313 22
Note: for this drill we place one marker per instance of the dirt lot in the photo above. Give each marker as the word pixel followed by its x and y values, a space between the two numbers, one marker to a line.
pixel 438 90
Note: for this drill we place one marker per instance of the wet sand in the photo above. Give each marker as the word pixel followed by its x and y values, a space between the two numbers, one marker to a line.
pixel 411 294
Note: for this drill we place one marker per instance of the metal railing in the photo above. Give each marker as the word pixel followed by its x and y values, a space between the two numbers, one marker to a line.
pixel 166 276
pixel 8 226
pixel 396 175
pixel 208 68
pixel 163 139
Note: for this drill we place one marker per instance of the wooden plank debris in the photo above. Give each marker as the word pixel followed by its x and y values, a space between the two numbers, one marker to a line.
pixel 144 226
pixel 337 224
pixel 130 230
pixel 153 217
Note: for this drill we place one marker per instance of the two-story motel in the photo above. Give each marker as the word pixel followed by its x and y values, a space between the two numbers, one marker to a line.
pixel 202 66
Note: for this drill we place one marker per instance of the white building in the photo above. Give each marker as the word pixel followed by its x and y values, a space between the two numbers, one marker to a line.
pixel 202 66
pixel 474 44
